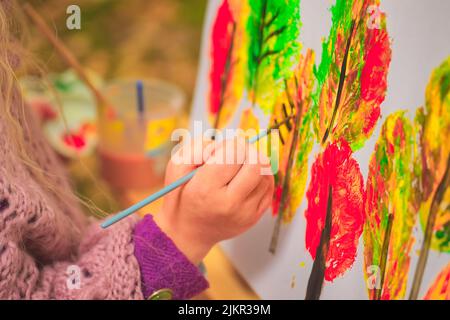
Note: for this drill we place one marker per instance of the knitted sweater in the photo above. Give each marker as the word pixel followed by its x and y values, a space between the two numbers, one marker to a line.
pixel 50 250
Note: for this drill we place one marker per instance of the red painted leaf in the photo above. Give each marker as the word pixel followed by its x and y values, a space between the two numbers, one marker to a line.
pixel 352 73
pixel 225 83
pixel 335 167
pixel 374 76
pixel 222 41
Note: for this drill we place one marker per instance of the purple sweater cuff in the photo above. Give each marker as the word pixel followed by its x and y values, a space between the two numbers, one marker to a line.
pixel 162 265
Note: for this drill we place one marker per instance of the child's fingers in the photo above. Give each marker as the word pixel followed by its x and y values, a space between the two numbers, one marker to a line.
pixel 267 197
pixel 248 177
pixel 245 181
pixel 188 157
pixel 255 199
pixel 223 164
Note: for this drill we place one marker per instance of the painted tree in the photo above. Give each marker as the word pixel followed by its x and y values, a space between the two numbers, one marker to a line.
pixel 433 122
pixel 391 205
pixel 296 142
pixel 352 75
pixel 227 73
pixel 273 29
pixel 351 85
pixel 334 217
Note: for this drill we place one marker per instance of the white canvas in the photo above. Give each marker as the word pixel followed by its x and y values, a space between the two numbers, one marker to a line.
pixel 420 32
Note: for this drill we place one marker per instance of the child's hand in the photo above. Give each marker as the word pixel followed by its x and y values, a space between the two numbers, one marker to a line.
pixel 221 201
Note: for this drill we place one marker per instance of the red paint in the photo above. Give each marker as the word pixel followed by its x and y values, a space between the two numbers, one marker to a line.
pixel 373 191
pixel 221 43
pixel 335 167
pixel 76 141
pixel 377 59
pixel 44 110
pixel 390 148
pixel 387 294
pixel 371 119
pixel 399 133
pixel 276 199
pixel 440 288
pixel 374 73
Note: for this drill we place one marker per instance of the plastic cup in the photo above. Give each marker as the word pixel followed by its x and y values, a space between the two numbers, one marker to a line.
pixel 134 147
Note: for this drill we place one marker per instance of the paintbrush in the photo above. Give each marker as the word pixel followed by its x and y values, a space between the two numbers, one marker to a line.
pixel 140 101
pixel 177 183
pixel 65 54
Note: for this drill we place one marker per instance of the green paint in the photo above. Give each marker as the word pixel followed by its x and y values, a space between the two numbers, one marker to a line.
pixel 306 139
pixel 341 18
pixel 443 235
pixel 443 73
pixel 391 181
pixel 273 49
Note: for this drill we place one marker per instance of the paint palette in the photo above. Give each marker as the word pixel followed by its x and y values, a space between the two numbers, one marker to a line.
pixel 71 130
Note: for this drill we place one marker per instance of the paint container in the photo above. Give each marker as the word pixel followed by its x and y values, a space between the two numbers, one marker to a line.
pixel 134 147
pixel 67 111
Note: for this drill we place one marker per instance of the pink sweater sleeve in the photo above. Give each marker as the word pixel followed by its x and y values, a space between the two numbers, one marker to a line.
pixel 102 267
pixel 49 249
pixel 127 261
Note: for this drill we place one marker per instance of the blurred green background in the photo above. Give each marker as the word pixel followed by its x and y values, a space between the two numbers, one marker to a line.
pixel 127 38
pixel 121 38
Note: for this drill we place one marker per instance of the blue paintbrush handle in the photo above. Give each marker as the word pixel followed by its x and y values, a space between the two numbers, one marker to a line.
pixel 140 97
pixel 149 199
pixel 163 191
pixel 262 134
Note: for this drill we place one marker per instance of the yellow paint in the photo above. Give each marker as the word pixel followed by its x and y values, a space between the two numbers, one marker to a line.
pixel 301 82
pixel 113 131
pixel 442 219
pixel 434 121
pixel 249 123
pixel 440 289
pixel 390 190
pixel 158 133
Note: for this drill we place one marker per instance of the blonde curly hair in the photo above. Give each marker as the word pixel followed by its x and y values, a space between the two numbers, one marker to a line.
pixel 15 59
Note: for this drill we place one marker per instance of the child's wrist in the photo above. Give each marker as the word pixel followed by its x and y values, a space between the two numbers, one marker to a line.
pixel 194 248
